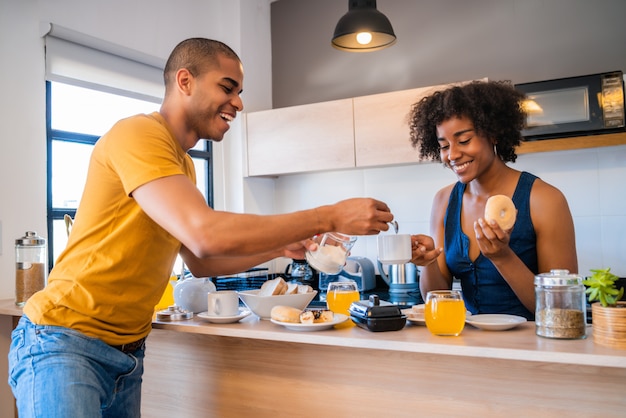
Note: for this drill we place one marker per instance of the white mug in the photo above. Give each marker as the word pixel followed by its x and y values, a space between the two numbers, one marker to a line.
pixel 223 303
pixel 394 248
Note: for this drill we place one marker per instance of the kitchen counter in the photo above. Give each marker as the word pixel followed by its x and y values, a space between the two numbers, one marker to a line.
pixel 257 368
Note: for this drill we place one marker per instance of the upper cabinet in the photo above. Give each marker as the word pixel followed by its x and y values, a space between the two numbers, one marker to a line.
pixel 381 127
pixel 299 139
pixel 367 131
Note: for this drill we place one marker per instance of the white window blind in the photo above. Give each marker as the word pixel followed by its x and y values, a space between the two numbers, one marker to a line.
pixel 82 60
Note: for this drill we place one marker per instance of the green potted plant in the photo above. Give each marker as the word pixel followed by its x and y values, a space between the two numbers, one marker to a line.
pixel 608 312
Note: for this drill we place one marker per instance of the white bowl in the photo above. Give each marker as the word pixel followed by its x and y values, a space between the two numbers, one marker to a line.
pixel 262 306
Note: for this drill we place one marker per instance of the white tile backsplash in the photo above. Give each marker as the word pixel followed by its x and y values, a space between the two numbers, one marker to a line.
pixel 612 181
pixel 614 243
pixel 592 180
pixel 588 243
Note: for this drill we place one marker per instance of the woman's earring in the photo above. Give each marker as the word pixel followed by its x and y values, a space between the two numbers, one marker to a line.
pixel 495 149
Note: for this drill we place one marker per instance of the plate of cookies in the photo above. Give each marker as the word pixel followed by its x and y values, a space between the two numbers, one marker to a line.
pixel 306 320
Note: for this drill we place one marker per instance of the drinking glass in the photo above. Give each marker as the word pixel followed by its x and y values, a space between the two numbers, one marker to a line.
pixel 340 296
pixel 445 312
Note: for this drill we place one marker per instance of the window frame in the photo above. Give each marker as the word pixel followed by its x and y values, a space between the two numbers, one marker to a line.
pixel 79 138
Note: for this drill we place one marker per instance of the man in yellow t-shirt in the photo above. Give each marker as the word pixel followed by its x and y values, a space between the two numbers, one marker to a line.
pixel 78 350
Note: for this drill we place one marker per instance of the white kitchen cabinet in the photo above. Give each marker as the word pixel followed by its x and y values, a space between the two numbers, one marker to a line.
pixel 366 131
pixel 298 139
pixel 381 127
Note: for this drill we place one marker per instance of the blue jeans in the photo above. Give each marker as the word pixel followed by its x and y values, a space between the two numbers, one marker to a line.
pixel 58 372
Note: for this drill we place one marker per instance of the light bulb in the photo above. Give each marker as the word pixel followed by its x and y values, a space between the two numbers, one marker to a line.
pixel 364 38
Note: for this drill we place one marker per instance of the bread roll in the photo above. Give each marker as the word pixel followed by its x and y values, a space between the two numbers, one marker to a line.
pixel 276 286
pixel 501 209
pixel 285 314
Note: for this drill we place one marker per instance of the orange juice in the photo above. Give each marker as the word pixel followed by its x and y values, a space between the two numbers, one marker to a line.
pixel 445 316
pixel 339 301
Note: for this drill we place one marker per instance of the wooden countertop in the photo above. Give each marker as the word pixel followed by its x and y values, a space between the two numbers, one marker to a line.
pixel 520 343
pixel 242 365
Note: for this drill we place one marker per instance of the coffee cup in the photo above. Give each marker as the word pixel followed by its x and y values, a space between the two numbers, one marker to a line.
pixel 394 248
pixel 223 303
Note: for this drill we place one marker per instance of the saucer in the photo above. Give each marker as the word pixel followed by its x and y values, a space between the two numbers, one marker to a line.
pixel 243 312
pixel 495 322
pixel 417 316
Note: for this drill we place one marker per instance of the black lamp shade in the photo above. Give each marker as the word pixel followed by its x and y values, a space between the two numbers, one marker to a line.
pixel 362 16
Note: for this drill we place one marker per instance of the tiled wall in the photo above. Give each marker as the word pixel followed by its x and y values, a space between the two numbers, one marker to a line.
pixel 593 180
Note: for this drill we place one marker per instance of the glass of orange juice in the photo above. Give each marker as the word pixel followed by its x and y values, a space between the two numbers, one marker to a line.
pixel 445 312
pixel 340 296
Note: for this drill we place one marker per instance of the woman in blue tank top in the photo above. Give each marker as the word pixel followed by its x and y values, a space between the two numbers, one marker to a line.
pixel 474 129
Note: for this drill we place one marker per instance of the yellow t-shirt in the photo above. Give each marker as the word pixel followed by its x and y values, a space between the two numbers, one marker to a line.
pixel 117 261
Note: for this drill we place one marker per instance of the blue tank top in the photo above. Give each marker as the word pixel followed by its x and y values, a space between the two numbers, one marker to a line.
pixel 484 289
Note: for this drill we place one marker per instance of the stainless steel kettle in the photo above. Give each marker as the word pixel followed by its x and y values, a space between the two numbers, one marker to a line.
pixel 401 277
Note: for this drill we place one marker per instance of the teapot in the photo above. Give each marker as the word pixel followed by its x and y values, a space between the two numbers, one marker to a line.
pixel 191 293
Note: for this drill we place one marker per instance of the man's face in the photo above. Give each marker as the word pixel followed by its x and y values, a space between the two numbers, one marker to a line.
pixel 215 99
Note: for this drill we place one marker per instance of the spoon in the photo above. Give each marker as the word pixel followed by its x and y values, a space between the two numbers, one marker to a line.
pixel 395 225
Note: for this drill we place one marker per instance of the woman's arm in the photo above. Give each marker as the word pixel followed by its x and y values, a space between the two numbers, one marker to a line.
pixel 435 274
pixel 556 247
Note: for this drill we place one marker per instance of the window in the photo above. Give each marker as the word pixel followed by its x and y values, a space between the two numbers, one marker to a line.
pixel 76 118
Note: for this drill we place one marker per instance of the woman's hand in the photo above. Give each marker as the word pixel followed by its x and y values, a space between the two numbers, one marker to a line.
pixel 423 251
pixel 492 240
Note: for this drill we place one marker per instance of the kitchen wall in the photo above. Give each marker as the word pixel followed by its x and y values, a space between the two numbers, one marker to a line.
pixel 441 41
pixel 152 27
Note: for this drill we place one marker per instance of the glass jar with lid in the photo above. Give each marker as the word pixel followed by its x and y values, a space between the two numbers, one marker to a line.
pixel 31 271
pixel 561 309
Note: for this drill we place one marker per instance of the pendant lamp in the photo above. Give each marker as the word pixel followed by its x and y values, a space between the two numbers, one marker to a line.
pixel 363 28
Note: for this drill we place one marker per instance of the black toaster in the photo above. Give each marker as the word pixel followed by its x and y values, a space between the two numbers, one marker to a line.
pixel 376 315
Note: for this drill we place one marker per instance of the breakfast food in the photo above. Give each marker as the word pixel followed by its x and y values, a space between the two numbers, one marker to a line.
pixel 296 316
pixel 501 209
pixel 285 314
pixel 304 288
pixel 292 288
pixel 316 316
pixel 418 308
pixel 279 286
pixel 276 286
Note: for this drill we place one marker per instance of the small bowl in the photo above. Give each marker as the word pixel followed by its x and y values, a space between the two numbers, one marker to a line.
pixel 262 306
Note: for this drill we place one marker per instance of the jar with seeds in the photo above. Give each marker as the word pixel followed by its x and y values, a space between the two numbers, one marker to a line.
pixel 561 310
pixel 31 270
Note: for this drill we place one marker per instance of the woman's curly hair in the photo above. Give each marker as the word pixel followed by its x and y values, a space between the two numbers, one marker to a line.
pixel 494 107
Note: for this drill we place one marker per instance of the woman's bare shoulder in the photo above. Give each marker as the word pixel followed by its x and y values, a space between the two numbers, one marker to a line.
pixel 443 195
pixel 547 199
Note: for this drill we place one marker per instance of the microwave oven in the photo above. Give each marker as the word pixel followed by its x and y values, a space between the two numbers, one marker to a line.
pixel 574 106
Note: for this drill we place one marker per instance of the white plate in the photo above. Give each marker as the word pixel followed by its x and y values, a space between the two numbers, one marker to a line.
pixel 338 319
pixel 417 318
pixel 495 322
pixel 224 319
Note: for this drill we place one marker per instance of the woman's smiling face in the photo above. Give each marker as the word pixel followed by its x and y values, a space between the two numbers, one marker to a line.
pixel 462 149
